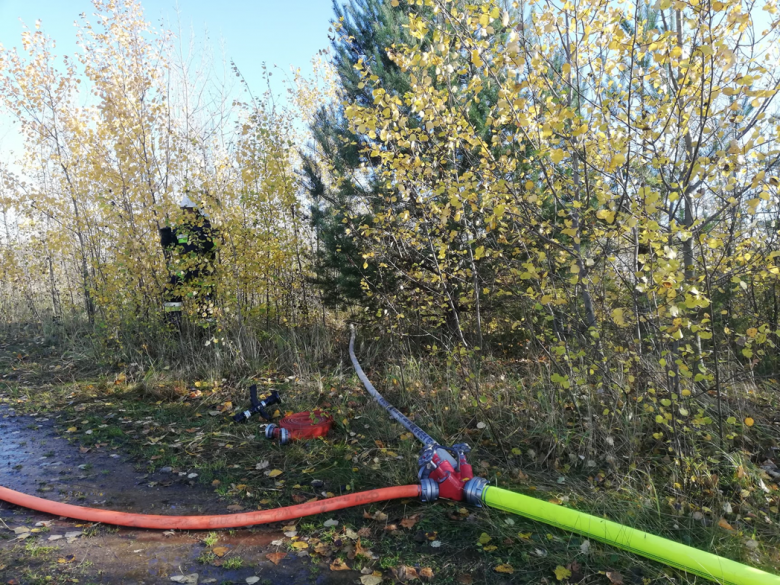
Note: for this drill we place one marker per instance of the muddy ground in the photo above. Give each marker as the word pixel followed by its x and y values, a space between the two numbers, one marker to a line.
pixel 36 459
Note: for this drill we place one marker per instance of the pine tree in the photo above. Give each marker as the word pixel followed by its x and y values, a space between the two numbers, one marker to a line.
pixel 367 28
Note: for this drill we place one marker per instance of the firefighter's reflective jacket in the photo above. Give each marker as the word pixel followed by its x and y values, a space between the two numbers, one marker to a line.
pixel 191 253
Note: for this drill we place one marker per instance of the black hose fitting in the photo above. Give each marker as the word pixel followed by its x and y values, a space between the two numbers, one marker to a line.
pixel 258 406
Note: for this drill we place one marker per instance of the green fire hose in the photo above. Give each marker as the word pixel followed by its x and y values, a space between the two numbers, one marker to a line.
pixel 659 549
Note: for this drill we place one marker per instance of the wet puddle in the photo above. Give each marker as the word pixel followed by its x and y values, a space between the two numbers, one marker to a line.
pixel 34 459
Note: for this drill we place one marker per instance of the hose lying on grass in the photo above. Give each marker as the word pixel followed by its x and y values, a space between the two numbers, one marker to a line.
pixel 673 554
pixel 668 552
pixel 159 522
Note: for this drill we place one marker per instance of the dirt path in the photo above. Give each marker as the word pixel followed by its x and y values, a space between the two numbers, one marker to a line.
pixel 35 459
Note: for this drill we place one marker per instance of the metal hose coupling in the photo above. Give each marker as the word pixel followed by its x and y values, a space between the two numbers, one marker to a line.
pixel 429 490
pixel 273 431
pixel 473 490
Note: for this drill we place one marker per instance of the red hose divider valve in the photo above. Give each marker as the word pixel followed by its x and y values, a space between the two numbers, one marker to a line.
pixel 301 425
pixel 448 467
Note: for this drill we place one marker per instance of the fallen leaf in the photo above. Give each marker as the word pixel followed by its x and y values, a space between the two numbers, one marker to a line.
pixel 274 473
pixel 276 557
pixel 562 573
pixel 67 559
pixel 465 579
pixel 323 549
pixel 576 571
pixel 339 565
pixel 235 507
pixel 426 572
pixel 484 538
pixel 370 580
pixel 749 422
pixel 504 569
pixel 220 551
pixel 300 545
pixel 405 573
pixel 615 578
pixel 330 523
pixel 299 499
pixel 410 521
pixel 378 516
pixel 262 465
pixel 252 580
pixel 723 524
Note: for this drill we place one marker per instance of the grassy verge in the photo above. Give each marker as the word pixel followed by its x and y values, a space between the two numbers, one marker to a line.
pixel 176 413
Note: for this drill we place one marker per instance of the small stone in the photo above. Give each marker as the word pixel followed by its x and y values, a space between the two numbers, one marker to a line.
pixel 252 580
pixel 192 475
pixel 54 537
pixel 191 578
pixel 167 470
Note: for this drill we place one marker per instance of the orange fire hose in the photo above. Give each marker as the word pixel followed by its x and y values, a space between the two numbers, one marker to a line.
pixel 208 522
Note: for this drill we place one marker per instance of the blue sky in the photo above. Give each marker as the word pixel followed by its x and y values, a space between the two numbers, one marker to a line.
pixel 281 32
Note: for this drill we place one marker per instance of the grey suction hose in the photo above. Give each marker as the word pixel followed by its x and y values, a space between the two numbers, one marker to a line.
pixel 420 434
pixel 424 437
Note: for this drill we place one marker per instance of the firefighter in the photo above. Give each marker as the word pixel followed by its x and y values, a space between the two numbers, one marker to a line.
pixel 191 254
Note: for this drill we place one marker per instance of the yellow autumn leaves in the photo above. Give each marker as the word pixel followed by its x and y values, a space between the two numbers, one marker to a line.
pixel 99 178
